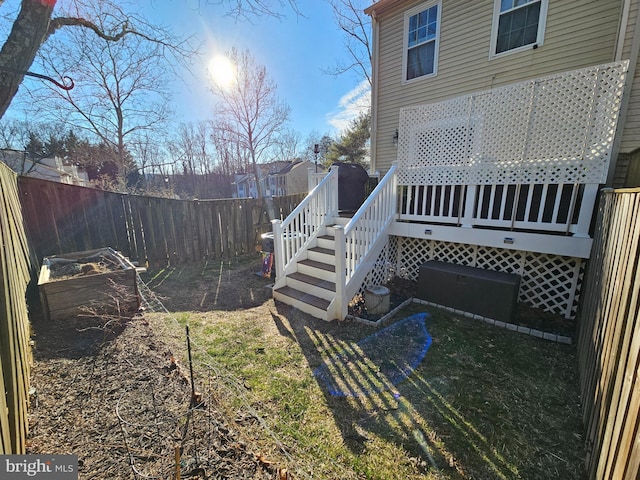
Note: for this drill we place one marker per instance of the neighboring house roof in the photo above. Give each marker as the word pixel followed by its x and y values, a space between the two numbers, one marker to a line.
pixel 49 168
pixel 382 6
pixel 289 167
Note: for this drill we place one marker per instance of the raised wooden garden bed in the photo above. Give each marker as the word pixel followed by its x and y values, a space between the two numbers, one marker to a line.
pixel 93 283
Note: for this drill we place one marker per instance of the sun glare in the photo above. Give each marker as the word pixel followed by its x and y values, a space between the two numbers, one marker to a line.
pixel 222 71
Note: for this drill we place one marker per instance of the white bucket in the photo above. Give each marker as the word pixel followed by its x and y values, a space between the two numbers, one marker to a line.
pixel 376 299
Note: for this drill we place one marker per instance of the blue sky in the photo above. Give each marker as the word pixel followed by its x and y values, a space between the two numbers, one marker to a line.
pixel 295 50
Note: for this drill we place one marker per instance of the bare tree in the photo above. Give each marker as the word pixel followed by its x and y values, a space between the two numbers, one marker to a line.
pixel 232 157
pixel 288 145
pixel 14 134
pixel 249 111
pixel 250 9
pixel 121 87
pixel 356 28
pixel 34 24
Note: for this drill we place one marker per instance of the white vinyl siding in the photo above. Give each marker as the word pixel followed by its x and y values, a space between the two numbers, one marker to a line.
pixel 631 136
pixel 576 35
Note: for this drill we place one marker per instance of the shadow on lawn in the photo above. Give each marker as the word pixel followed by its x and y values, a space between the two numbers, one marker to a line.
pixel 378 407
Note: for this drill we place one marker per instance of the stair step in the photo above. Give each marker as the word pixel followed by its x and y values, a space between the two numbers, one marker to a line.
pixel 322 254
pixel 307 298
pixel 327 241
pixel 316 282
pixel 324 251
pixel 331 238
pixel 319 265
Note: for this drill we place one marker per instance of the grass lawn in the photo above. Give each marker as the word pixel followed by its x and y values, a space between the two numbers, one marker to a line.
pixel 484 403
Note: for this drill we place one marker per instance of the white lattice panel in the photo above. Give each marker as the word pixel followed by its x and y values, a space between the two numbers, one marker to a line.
pixel 384 269
pixel 549 282
pixel 556 129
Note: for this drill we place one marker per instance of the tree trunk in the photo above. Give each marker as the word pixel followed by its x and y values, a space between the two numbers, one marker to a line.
pixel 28 33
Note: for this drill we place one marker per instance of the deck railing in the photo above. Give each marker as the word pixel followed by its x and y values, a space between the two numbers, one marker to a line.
pixel 360 239
pixel 293 235
pixel 557 208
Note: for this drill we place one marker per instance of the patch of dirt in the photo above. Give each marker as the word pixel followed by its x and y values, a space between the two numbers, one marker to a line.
pixel 109 391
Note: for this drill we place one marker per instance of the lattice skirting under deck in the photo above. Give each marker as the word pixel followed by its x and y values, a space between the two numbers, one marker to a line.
pixel 549 282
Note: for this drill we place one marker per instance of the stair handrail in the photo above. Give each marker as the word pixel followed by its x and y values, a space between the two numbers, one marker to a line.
pixel 357 239
pixel 293 234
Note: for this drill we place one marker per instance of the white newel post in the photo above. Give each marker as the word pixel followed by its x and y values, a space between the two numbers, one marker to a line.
pixel 341 257
pixel 278 248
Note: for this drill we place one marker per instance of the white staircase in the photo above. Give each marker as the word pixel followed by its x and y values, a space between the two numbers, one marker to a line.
pixel 322 259
pixel 312 286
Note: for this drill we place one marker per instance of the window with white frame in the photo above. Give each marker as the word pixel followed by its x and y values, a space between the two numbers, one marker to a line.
pixel 518 24
pixel 421 38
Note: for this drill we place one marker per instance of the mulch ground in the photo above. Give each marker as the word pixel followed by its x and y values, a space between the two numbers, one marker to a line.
pixel 109 392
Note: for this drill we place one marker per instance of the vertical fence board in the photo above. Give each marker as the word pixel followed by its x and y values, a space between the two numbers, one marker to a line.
pixel 624 332
pixel 64 218
pixel 609 340
pixel 14 327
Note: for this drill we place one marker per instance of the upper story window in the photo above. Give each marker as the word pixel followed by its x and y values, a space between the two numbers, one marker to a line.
pixel 517 25
pixel 421 37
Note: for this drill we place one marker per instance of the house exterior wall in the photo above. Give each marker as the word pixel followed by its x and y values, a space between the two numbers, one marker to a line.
pixel 627 173
pixel 578 34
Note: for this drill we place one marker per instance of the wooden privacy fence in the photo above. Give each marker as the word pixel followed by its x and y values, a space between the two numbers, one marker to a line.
pixel 15 355
pixel 609 340
pixel 66 218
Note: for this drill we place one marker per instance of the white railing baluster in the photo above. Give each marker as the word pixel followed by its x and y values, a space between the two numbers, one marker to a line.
pixel 481 190
pixel 492 199
pixel 432 208
pixel 503 201
pixel 557 204
pixel 425 190
pixel 543 203
pixel 527 210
